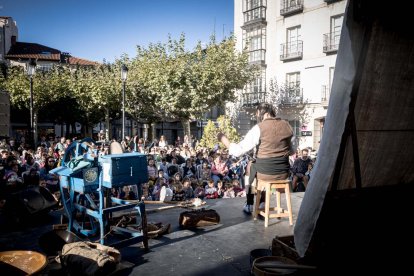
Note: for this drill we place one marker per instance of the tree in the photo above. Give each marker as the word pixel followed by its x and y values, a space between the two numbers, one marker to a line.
pixel 48 87
pixel 185 84
pixel 225 126
pixel 97 89
pixel 287 100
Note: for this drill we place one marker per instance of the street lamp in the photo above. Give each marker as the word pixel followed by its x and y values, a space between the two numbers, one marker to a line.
pixel 31 68
pixel 124 74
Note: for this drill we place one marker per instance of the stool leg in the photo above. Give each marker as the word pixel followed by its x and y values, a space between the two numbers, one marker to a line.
pixel 289 203
pixel 278 204
pixel 256 205
pixel 267 205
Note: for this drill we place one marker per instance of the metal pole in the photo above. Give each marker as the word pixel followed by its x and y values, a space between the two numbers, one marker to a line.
pixel 31 113
pixel 123 111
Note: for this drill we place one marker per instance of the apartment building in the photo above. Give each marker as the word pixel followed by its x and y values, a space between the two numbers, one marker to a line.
pixel 294 43
pixel 8 35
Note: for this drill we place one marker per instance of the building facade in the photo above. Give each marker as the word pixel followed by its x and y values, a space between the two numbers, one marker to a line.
pixel 294 43
pixel 8 35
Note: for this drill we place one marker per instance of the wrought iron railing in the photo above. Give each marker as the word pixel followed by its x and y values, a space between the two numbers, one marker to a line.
pixel 291 50
pixel 292 96
pixel 331 42
pixel 288 7
pixel 253 98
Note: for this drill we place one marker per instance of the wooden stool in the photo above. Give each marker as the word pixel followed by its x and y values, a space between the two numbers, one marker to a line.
pixel 280 212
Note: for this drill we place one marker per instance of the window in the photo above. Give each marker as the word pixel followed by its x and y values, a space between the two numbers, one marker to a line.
pixel 251 4
pixel 295 124
pixel 44 67
pixel 293 47
pixel 336 27
pixel 292 93
pixel 288 7
pixel 331 75
pixel 293 35
pixel 258 85
pixel 293 79
pixel 254 48
pixel 254 40
pixel 254 9
pixel 255 92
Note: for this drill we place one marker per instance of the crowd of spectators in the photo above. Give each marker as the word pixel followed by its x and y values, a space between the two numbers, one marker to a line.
pixel 177 171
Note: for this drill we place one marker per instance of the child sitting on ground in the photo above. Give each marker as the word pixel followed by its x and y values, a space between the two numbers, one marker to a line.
pixel 211 191
pixel 229 192
pixel 238 191
pixel 157 189
pixel 166 194
pixel 188 190
pixel 199 192
pixel 179 193
pixel 220 189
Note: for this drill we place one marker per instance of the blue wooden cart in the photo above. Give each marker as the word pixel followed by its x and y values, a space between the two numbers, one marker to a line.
pixel 86 181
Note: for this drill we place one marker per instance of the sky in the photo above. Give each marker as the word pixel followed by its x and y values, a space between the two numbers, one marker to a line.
pixel 106 29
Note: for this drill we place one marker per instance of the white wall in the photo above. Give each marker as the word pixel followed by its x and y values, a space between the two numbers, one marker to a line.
pixel 313 67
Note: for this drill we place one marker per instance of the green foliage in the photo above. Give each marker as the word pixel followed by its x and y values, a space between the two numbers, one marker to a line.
pixel 164 80
pixel 48 86
pixel 210 132
pixel 183 84
pixel 278 93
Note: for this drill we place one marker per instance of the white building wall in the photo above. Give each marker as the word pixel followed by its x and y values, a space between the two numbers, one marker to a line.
pixel 314 21
pixel 8 29
pixel 238 21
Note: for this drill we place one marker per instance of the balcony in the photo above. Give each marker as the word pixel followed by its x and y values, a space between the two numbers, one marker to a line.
pixel 252 99
pixel 325 93
pixel 292 96
pixel 289 7
pixel 254 16
pixel 291 51
pixel 257 57
pixel 331 42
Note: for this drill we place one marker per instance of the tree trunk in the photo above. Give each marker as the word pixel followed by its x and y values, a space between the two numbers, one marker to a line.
pixel 68 127
pixel 186 127
pixel 88 127
pixel 153 131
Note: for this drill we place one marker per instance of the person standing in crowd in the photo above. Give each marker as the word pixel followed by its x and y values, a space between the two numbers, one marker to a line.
pixel 162 144
pixel 61 145
pixel 178 142
pixel 272 138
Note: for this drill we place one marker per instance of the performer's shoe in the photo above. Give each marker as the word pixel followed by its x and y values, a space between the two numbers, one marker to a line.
pixel 248 209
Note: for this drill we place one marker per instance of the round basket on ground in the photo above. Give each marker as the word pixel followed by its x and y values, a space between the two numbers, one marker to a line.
pixel 21 262
pixel 273 265
pixel 257 253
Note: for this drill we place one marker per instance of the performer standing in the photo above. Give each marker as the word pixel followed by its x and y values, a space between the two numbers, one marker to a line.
pixel 273 139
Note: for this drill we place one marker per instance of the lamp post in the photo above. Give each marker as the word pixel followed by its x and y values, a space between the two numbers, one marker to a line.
pixel 31 68
pixel 124 74
pixel 162 121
